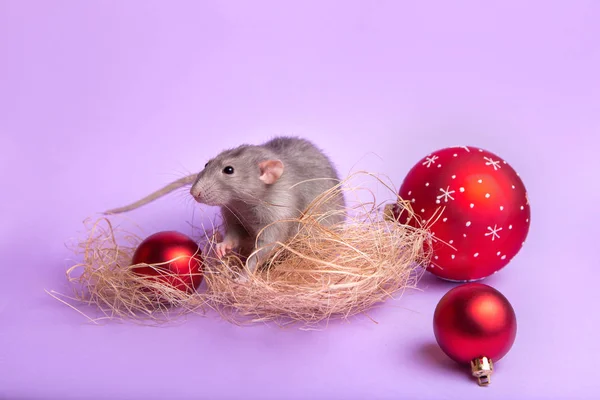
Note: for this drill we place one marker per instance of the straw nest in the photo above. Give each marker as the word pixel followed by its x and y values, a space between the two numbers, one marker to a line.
pixel 318 274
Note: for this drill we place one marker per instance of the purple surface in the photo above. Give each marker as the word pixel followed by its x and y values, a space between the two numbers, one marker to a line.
pixel 103 102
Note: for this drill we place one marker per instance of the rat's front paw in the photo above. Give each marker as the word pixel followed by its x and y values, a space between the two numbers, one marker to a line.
pixel 225 247
pixel 242 277
pixel 244 274
pixel 222 249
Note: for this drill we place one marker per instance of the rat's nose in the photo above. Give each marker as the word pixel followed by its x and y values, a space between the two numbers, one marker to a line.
pixel 195 192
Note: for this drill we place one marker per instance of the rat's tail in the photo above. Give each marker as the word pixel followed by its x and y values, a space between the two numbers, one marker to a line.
pixel 186 180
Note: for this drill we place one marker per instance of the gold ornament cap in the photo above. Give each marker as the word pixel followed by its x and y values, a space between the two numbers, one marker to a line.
pixel 482 369
pixel 388 212
pixel 393 211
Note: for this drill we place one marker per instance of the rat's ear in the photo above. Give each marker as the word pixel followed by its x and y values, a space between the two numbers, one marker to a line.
pixel 270 171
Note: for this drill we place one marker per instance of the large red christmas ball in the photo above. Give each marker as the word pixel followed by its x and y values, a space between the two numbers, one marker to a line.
pixel 474 204
pixel 178 258
pixel 474 320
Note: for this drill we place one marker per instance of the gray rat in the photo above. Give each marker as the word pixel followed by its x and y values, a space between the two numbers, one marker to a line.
pixel 258 185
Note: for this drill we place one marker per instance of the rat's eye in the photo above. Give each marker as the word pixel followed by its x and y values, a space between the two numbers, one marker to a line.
pixel 228 170
pixel 205 165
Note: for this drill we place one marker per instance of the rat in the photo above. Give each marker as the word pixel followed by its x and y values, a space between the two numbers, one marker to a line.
pixel 258 188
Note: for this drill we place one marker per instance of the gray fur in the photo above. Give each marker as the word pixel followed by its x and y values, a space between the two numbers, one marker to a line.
pixel 248 204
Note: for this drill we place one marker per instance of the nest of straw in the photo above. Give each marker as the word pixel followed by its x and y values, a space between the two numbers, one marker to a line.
pixel 321 273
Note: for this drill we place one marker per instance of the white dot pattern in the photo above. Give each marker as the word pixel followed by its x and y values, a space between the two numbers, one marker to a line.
pixel 479 193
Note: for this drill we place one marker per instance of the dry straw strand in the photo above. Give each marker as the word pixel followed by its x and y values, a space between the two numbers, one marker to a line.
pixel 320 273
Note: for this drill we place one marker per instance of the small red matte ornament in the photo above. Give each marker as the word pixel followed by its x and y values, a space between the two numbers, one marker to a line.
pixel 475 206
pixel 179 258
pixel 475 324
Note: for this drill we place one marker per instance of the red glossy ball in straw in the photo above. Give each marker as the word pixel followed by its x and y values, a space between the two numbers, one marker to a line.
pixel 475 206
pixel 179 258
pixel 474 320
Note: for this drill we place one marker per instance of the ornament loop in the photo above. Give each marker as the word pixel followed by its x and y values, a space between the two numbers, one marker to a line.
pixel 482 368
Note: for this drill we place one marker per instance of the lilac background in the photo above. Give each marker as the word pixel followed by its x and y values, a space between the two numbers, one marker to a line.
pixel 103 102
